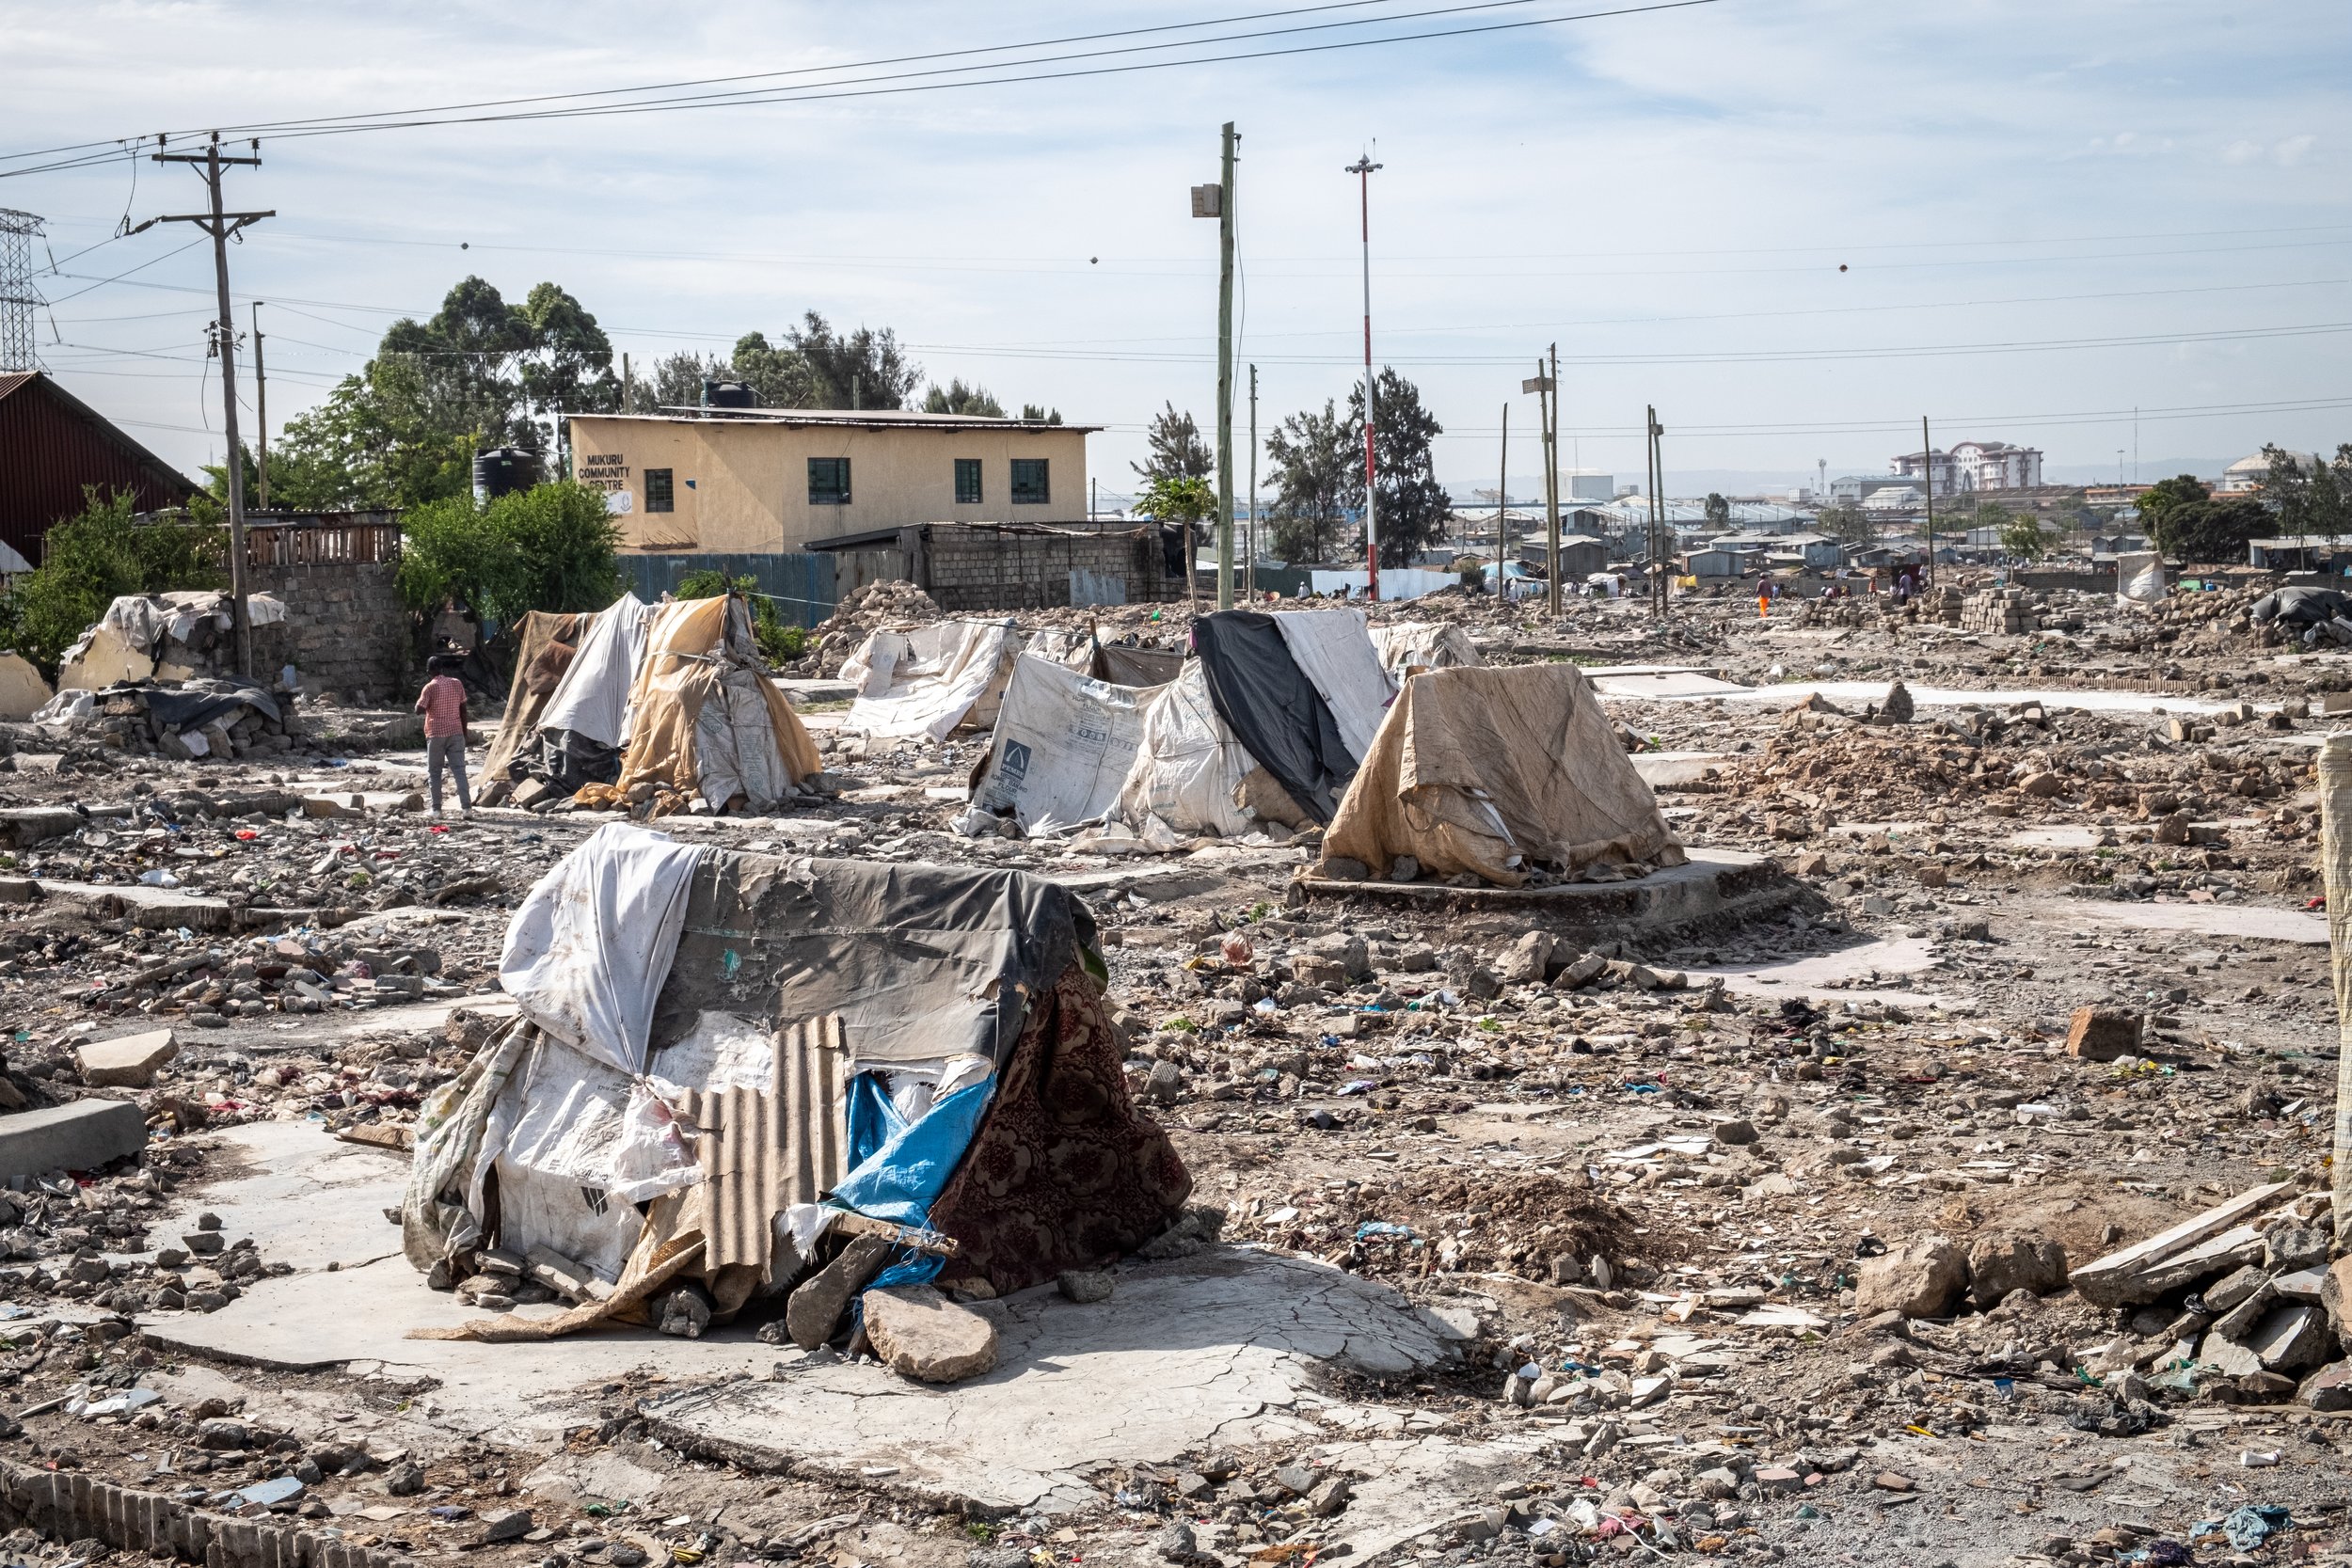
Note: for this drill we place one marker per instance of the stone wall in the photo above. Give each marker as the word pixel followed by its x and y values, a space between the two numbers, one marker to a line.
pixel 346 629
pixel 969 567
pixel 71 1505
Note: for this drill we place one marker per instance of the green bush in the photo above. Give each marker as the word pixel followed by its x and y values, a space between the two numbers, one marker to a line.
pixel 550 547
pixel 779 643
pixel 90 561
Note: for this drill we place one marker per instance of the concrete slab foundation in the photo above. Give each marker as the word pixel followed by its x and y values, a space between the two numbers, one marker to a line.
pixel 1718 887
pixel 83 1135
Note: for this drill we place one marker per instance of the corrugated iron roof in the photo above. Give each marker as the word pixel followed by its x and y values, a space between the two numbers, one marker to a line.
pixel 761 1150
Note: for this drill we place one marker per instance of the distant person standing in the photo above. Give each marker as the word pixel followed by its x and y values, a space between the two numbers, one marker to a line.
pixel 443 704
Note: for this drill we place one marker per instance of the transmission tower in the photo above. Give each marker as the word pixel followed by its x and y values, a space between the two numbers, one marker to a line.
pixel 17 299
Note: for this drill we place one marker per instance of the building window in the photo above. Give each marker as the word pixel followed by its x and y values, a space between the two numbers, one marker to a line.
pixel 1029 482
pixel 968 482
pixel 828 481
pixel 659 495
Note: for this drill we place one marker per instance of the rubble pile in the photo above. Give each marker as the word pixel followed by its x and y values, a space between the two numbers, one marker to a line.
pixel 886 602
pixel 2007 611
pixel 185 720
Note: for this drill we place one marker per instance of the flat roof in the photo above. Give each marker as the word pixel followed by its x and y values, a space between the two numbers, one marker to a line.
pixel 864 419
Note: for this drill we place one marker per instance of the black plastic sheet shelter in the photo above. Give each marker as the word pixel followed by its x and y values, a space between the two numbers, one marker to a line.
pixel 1266 700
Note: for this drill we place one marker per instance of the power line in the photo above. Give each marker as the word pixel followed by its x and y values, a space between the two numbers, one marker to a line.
pixel 900 84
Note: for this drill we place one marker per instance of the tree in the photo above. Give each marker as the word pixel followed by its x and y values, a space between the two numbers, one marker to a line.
pixel 676 382
pixel 1413 506
pixel 2166 494
pixel 1310 456
pixel 96 557
pixel 819 368
pixel 778 642
pixel 1847 521
pixel 2020 535
pixel 960 399
pixel 2211 531
pixel 1041 415
pixel 479 373
pixel 548 547
pixel 1175 449
pixel 1718 511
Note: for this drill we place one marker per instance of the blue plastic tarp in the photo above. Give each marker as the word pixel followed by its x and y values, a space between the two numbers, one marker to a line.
pixel 898 1168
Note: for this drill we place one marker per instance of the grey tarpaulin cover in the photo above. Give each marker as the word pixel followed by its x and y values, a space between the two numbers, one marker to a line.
pixel 1269 702
pixel 919 962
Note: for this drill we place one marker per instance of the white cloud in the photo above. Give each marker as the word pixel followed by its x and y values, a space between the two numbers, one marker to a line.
pixel 2241 152
pixel 2291 151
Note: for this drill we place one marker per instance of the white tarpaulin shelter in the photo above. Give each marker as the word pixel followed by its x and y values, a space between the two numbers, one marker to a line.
pixel 1335 652
pixel 620 897
pixel 1189 765
pixel 2140 578
pixel 931 680
pixel 593 698
pixel 1063 746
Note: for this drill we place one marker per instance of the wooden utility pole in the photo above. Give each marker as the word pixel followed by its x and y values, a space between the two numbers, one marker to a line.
pixel 220 225
pixel 1502 501
pixel 1547 389
pixel 2335 864
pixel 1225 378
pixel 260 414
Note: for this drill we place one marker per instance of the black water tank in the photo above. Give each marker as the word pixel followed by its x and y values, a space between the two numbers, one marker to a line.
pixel 729 394
pixel 503 470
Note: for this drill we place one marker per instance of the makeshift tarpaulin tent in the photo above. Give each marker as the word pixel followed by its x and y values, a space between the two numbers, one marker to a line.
pixel 1063 746
pixel 1409 646
pixel 831 1049
pixel 1302 692
pixel 2138 578
pixel 1502 773
pixel 930 680
pixel 545 643
pixel 585 724
pixel 705 718
pixel 143 635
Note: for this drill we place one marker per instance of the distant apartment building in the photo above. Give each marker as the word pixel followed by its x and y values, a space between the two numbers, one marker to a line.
pixel 1972 465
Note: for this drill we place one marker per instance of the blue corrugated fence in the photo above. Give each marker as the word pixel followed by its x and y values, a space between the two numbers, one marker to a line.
pixel 799 583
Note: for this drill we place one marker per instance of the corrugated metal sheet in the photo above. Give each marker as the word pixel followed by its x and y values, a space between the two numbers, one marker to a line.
pixel 761 1150
pixel 52 445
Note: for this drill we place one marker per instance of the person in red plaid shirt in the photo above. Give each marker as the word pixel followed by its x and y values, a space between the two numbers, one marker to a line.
pixel 443 704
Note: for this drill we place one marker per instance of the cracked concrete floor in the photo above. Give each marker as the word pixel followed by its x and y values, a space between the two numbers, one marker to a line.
pixel 1229 1346
pixel 1221 1347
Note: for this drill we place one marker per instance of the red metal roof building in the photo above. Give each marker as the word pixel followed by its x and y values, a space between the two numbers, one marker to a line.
pixel 53 443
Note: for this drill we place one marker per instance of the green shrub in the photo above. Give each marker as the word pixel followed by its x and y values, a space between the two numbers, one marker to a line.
pixel 90 561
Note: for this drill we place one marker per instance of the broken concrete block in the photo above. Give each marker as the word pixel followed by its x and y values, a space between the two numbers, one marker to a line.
pixel 2102 1033
pixel 924 1335
pixel 2293 1336
pixel 2234 1288
pixel 81 1136
pixel 2289 1248
pixel 1921 1278
pixel 2328 1388
pixel 1738 1130
pixel 1583 972
pixel 1527 961
pixel 816 1303
pixel 1998 1265
pixel 128 1062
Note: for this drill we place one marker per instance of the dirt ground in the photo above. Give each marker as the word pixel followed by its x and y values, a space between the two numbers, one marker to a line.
pixel 1659 1197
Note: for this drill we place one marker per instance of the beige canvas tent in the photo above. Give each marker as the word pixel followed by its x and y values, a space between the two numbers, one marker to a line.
pixel 705 719
pixel 545 643
pixel 1508 774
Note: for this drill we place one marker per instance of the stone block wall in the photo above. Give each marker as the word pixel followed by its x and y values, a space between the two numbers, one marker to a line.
pixel 346 629
pixel 969 567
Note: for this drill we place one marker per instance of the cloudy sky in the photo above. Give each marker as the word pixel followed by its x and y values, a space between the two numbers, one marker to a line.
pixel 1793 226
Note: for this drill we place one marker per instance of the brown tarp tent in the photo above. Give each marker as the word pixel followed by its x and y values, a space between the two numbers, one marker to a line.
pixel 1498 772
pixel 545 643
pixel 705 718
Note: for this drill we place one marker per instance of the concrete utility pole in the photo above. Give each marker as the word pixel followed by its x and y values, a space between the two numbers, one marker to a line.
pixel 1362 168
pixel 220 225
pixel 1657 464
pixel 1502 501
pixel 1927 467
pixel 261 413
pixel 1225 379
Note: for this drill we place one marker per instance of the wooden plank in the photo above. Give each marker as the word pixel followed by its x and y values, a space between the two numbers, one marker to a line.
pixel 2095 1280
